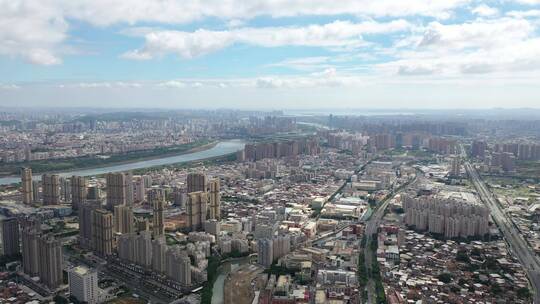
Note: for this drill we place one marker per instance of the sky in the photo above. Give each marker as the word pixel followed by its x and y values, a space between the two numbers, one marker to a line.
pixel 272 54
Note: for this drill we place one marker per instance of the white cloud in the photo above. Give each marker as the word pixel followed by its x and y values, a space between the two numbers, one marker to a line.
pixel 524 14
pixel 107 12
pixel 136 55
pixel 528 2
pixel 335 35
pixel 176 84
pixel 186 44
pixel 32 30
pixel 511 61
pixel 235 23
pixel 482 34
pixel 9 87
pixel 102 84
pixel 417 69
pixel 36 30
pixel 326 78
pixel 503 47
pixel 303 64
pixel 485 11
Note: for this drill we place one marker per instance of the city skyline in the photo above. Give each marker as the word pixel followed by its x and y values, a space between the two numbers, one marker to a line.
pixel 194 54
pixel 154 206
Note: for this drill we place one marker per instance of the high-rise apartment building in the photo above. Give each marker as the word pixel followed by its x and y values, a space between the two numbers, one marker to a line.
pixel 126 247
pixel 83 284
pixel 178 266
pixel 196 182
pixel 102 232
pixel 85 223
pixel 143 249
pixel 50 184
pixel 27 186
pixel 281 246
pixel 447 217
pixel 50 261
pixel 179 197
pixel 478 149
pixel 123 219
pixel 35 191
pixel 129 189
pixel 214 199
pixel 139 189
pixel 78 191
pixel 136 248
pixel 265 252
pixel 65 189
pixel 159 251
pixel 141 224
pixel 42 255
pixel 158 204
pixel 213 227
pixel 116 190
pixel 196 210
pixel 30 233
pixel 10 236
pixel 455 166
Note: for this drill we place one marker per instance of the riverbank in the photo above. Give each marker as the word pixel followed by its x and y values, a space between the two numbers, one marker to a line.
pixel 81 163
pixel 218 269
pixel 222 149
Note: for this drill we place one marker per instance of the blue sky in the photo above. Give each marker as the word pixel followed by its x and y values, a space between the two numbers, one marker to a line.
pixel 270 54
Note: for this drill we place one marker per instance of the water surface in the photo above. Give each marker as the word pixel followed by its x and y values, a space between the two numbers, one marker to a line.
pixel 222 148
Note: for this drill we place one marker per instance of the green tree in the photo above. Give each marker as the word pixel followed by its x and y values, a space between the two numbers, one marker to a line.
pixel 445 277
pixel 523 293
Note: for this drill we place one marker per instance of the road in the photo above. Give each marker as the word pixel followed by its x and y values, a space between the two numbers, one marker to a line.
pixel 518 245
pixel 371 228
pixel 135 284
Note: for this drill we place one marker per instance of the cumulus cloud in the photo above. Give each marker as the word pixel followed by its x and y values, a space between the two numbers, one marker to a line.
pixel 304 64
pixel 101 84
pixel 176 84
pixel 492 41
pixel 335 35
pixel 107 12
pixel 415 70
pixel 326 78
pixel 529 2
pixel 525 14
pixel 504 46
pixel 482 34
pixel 235 23
pixel 32 30
pixel 37 30
pixel 485 11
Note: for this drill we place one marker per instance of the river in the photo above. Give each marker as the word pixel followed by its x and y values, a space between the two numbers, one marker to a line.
pixel 223 272
pixel 222 148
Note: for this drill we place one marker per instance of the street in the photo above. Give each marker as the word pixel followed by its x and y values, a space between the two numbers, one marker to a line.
pixel 371 228
pixel 518 246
